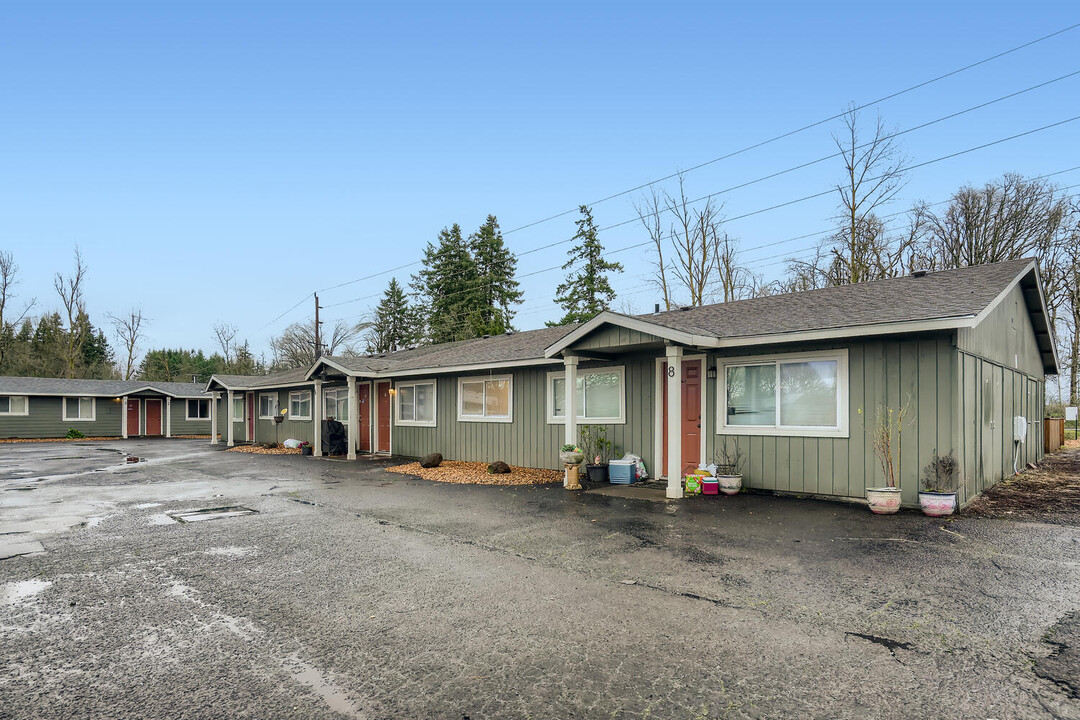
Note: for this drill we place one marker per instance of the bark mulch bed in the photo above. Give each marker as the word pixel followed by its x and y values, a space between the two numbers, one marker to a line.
pixel 263 450
pixel 1049 493
pixel 41 440
pixel 475 473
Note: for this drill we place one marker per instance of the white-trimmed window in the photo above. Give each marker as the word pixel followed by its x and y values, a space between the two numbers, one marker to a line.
pixel 14 405
pixel 486 399
pixel 416 403
pixel 198 409
pixel 300 405
pixel 268 405
pixel 238 408
pixel 601 396
pixel 336 404
pixel 798 394
pixel 79 409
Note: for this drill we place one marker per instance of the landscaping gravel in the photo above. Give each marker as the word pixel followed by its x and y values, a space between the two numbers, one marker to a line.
pixel 475 473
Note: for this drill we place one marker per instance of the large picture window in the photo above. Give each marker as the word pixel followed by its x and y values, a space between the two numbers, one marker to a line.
pixel 198 409
pixel 802 394
pixel 79 409
pixel 14 405
pixel 600 396
pixel 486 399
pixel 416 403
pixel 300 405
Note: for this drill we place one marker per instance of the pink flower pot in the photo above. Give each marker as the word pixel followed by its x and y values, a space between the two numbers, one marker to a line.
pixel 937 504
pixel 884 500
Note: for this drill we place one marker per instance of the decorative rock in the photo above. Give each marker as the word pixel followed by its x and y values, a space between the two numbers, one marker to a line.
pixel 498 468
pixel 431 461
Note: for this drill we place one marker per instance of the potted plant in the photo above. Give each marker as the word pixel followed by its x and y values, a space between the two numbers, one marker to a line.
pixel 729 463
pixel 571 454
pixel 888 426
pixel 938 496
pixel 596 447
pixel 305 448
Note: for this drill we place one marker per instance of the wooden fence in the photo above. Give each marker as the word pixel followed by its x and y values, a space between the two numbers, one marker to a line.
pixel 1053 434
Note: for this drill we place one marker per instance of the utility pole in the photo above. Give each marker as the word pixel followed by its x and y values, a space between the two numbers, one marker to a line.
pixel 318 341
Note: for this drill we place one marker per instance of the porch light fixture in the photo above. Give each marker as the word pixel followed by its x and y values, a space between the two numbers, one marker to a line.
pixel 711 373
pixel 393 391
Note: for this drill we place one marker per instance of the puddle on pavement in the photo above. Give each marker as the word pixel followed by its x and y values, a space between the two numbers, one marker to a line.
pixel 211 514
pixel 319 684
pixel 23 488
pixel 14 593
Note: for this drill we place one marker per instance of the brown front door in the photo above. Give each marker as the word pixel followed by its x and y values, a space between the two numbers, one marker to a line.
pixel 133 417
pixel 382 390
pixel 691 415
pixel 363 420
pixel 153 417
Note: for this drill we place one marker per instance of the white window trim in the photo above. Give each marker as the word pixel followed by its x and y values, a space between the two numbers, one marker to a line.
pixel 239 417
pixel 434 404
pixel 843 380
pixel 93 409
pixel 302 394
pixel 335 393
pixel 25 410
pixel 552 419
pixel 486 418
pixel 259 406
pixel 187 409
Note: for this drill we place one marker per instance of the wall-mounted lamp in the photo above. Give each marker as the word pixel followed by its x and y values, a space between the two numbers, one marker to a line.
pixel 711 373
pixel 393 391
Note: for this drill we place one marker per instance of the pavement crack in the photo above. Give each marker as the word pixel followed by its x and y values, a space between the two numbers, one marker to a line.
pixel 452 538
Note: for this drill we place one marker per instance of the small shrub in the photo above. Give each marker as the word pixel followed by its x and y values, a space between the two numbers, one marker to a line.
pixel 73 434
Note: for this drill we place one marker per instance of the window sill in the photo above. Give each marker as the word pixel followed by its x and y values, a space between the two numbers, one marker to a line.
pixel 841 434
pixel 464 418
pixel 414 423
pixel 589 421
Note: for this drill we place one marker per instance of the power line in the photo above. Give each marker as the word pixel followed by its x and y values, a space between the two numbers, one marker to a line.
pixel 801 129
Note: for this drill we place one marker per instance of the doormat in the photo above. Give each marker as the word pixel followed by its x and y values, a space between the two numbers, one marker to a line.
pixel 190 516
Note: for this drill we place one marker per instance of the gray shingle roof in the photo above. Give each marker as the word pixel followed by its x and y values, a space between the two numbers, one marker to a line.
pixel 937 295
pixel 252 382
pixel 109 388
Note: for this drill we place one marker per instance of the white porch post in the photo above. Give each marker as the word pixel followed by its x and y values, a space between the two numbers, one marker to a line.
pixel 674 421
pixel 123 417
pixel 317 413
pixel 213 419
pixel 353 417
pixel 168 417
pixel 229 418
pixel 570 363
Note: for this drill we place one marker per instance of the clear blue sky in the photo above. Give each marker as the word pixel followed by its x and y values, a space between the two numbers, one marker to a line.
pixel 221 160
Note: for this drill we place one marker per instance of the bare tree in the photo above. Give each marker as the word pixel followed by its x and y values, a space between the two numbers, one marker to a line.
pixel 873 175
pixel 129 330
pixel 649 209
pixel 225 334
pixel 70 289
pixel 8 280
pixel 694 233
pixel 736 281
pixel 295 347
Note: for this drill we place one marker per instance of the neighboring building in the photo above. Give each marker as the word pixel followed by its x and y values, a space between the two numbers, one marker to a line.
pixel 794 380
pixel 49 407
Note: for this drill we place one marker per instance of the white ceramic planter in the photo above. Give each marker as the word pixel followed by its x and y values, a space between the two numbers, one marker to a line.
pixel 937 504
pixel 571 458
pixel 883 500
pixel 730 484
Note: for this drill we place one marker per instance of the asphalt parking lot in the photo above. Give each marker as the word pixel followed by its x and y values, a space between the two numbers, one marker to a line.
pixel 354 593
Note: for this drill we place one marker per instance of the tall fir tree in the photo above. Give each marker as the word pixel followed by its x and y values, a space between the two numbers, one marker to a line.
pixel 587 290
pixel 396 324
pixel 447 287
pixel 498 290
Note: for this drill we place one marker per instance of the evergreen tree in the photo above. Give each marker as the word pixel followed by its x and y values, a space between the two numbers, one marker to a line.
pixel 447 287
pixel 586 291
pixel 498 290
pixel 180 365
pixel 396 324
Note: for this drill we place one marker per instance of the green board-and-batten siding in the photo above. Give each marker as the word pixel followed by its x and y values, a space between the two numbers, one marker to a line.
pixel 181 425
pixel 529 441
pixel 45 419
pixel 1005 337
pixel 612 336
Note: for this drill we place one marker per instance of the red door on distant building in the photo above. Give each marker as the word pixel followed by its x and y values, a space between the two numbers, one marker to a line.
pixel 250 417
pixel 691 415
pixel 382 389
pixel 363 395
pixel 153 416
pixel 133 417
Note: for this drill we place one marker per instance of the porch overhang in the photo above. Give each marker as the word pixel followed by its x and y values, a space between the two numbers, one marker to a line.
pixel 689 338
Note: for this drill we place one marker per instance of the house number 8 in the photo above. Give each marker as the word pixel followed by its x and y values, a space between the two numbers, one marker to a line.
pixel 671 372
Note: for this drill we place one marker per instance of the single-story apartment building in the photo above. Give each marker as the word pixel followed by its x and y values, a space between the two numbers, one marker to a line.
pixel 795 381
pixel 49 407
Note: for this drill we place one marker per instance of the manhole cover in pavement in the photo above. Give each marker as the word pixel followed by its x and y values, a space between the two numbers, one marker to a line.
pixel 211 513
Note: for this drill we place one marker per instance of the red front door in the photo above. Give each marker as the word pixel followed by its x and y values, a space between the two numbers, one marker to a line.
pixel 251 417
pixel 691 414
pixel 153 417
pixel 363 420
pixel 133 417
pixel 383 427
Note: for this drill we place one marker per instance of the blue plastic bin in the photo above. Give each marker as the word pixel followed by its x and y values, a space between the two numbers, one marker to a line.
pixel 621 472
